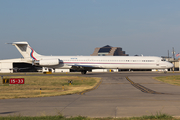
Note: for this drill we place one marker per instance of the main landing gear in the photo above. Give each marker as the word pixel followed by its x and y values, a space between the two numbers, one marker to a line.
pixel 83 72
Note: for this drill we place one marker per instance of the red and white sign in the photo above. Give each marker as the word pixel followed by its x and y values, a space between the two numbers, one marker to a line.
pixel 16 81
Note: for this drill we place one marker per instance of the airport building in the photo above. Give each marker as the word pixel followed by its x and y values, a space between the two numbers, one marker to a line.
pixel 109 51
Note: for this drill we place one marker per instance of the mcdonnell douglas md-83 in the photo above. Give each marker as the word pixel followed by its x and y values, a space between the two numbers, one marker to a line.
pixel 87 63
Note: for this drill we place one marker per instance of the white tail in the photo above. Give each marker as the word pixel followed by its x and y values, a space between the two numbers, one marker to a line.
pixel 26 51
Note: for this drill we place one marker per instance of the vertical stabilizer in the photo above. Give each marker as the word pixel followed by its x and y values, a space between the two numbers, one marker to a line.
pixel 26 51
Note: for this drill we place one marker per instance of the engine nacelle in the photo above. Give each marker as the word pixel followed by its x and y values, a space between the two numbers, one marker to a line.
pixel 47 62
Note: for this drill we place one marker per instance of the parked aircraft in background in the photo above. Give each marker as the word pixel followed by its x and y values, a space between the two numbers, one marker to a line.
pixel 87 63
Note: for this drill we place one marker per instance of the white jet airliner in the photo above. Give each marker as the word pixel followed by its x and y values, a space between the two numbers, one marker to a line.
pixel 87 63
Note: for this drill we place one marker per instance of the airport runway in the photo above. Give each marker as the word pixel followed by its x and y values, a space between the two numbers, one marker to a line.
pixel 117 96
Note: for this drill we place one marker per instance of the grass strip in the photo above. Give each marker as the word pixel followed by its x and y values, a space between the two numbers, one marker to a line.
pixel 49 85
pixel 60 117
pixel 173 80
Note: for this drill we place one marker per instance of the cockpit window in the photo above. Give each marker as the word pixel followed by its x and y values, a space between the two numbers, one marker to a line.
pixel 163 59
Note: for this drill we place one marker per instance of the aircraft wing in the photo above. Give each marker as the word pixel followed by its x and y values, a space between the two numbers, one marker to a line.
pixel 85 67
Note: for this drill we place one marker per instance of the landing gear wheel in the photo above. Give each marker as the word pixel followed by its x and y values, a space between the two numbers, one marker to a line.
pixel 83 72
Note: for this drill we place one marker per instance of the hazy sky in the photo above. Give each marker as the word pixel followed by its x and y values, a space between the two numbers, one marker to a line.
pixel 76 27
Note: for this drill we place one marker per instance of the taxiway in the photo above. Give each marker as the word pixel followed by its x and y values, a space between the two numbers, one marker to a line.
pixel 115 97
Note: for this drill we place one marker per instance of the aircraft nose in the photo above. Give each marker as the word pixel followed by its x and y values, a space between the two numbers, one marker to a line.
pixel 171 65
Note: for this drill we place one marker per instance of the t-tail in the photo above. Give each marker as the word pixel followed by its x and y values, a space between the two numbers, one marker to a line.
pixel 26 51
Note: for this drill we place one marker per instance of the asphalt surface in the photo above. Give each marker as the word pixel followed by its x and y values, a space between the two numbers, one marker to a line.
pixel 124 94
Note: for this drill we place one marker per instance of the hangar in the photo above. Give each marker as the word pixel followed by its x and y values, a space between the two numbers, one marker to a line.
pixel 17 65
